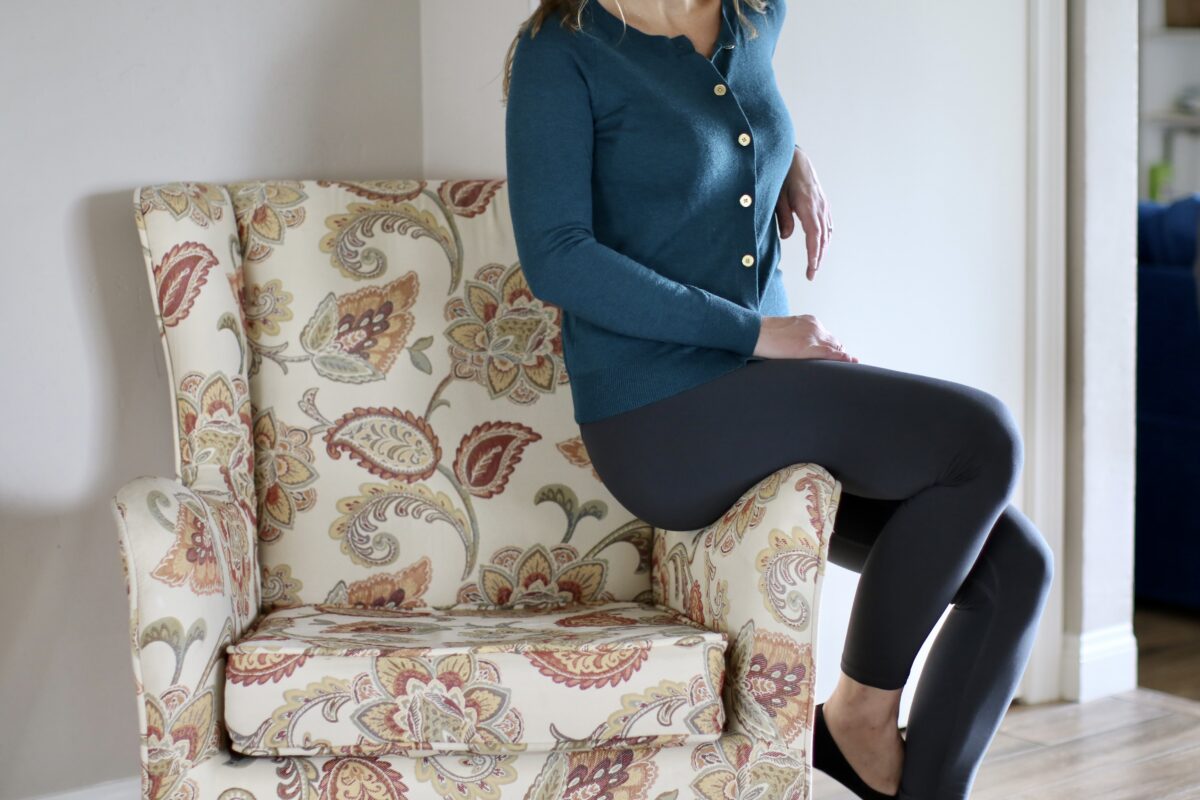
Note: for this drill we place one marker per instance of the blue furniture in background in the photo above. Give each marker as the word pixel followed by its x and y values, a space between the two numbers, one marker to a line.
pixel 1167 545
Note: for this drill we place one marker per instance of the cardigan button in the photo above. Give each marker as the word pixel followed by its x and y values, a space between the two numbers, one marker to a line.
pixel 745 200
pixel 747 260
pixel 719 89
pixel 743 139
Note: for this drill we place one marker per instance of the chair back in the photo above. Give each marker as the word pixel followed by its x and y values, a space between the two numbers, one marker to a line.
pixel 412 439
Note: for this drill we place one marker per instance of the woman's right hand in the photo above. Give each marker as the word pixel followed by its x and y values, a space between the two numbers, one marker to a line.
pixel 800 336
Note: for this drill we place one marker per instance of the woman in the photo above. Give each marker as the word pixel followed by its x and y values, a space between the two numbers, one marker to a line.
pixel 652 172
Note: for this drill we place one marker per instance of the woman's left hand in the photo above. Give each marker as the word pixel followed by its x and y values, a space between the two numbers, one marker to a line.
pixel 802 196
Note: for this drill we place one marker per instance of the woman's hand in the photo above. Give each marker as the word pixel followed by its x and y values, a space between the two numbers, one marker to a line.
pixel 798 337
pixel 802 196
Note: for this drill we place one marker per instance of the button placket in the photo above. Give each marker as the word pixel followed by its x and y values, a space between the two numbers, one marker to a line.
pixel 747 199
pixel 744 140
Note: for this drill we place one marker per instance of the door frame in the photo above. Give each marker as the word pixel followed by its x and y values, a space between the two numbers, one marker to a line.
pixel 1043 485
pixel 1081 329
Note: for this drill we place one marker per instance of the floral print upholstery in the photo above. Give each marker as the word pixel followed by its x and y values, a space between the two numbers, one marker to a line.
pixel 374 430
pixel 755 575
pixel 378 682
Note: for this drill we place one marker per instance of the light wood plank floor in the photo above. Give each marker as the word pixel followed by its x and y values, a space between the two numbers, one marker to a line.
pixel 1168 649
pixel 1139 745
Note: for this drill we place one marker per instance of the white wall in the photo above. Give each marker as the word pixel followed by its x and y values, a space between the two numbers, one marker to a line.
pixel 97 98
pixel 463 118
pixel 914 114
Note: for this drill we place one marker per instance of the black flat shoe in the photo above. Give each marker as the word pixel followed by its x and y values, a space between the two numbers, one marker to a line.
pixel 828 758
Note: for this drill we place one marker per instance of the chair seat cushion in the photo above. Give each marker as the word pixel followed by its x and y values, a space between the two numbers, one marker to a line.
pixel 317 679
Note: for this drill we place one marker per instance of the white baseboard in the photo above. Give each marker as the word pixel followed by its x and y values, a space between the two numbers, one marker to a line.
pixel 1099 663
pixel 122 789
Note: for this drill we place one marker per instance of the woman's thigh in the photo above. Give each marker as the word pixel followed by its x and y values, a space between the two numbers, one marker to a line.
pixel 680 462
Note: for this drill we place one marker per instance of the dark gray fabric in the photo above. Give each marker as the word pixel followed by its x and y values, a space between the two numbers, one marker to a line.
pixel 927 468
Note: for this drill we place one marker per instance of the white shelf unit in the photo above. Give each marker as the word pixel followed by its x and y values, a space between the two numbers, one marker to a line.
pixel 1169 63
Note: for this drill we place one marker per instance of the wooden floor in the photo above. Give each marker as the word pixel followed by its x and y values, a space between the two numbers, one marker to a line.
pixel 1139 745
pixel 1168 649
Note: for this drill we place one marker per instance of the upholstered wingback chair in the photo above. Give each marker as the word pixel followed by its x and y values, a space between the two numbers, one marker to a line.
pixel 385 567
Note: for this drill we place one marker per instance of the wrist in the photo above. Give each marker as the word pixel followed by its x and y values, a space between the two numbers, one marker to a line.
pixel 766 323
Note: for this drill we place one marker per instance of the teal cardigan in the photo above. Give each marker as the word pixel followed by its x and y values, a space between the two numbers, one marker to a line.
pixel 642 180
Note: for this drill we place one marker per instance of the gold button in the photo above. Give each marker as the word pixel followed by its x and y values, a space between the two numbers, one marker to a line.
pixel 747 260
pixel 743 139
pixel 719 89
pixel 745 199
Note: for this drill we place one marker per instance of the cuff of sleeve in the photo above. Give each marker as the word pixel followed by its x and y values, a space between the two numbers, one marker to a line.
pixel 736 327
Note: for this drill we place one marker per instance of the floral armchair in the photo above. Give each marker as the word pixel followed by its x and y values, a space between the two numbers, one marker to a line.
pixel 386 569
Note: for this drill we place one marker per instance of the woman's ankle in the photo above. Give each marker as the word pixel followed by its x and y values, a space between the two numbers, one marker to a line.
pixel 856 704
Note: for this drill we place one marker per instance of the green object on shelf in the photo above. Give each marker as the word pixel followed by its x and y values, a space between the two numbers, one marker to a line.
pixel 1160 178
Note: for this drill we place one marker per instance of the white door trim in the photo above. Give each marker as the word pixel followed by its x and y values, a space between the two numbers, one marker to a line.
pixel 1043 486
pixel 1099 654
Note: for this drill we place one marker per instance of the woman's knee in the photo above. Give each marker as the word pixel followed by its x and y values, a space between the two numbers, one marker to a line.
pixel 1031 551
pixel 1015 569
pixel 1023 561
pixel 991 442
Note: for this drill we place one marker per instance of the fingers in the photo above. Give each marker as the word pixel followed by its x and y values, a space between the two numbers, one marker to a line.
pixel 842 355
pixel 812 242
pixel 817 229
pixel 826 231
pixel 783 214
pixel 820 343
pixel 836 351
pixel 813 212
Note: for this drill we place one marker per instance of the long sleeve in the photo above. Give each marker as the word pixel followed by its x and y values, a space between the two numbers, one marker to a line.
pixel 550 141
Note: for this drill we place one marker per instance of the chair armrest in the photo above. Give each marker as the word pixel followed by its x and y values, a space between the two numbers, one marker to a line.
pixel 755 574
pixel 191 577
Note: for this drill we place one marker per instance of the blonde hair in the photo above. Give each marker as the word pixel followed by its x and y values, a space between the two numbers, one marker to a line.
pixel 571 15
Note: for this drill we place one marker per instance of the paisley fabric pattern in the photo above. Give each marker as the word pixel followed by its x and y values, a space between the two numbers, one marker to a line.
pixel 778 531
pixel 409 372
pixel 320 680
pixel 385 534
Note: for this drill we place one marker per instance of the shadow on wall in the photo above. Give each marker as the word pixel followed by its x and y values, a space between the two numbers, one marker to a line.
pixel 66 655
pixel 332 92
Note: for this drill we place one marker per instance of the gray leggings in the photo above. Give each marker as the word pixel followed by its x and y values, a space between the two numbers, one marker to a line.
pixel 927 467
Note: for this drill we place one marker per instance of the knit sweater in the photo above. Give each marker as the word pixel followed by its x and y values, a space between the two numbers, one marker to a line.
pixel 642 181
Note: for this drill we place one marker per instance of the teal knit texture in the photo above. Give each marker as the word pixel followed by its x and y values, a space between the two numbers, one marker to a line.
pixel 642 179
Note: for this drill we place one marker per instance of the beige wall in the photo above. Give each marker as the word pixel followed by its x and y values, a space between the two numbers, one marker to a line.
pixel 97 98
pixel 462 116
